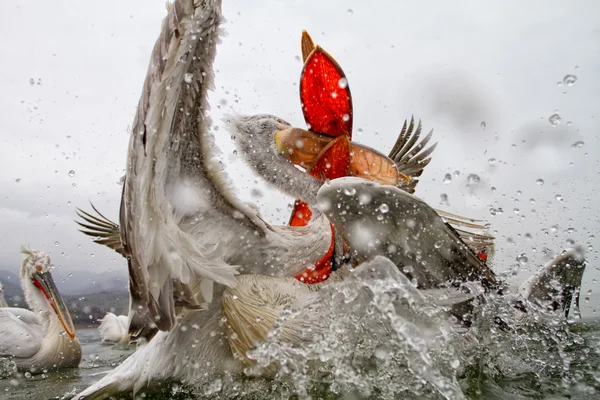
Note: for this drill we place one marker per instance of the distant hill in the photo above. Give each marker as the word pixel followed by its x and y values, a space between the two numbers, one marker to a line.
pixel 80 283
pixel 86 303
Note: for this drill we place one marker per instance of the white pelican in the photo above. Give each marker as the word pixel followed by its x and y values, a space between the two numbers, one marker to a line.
pixel 175 196
pixel 2 299
pixel 43 338
pixel 179 217
pixel 114 329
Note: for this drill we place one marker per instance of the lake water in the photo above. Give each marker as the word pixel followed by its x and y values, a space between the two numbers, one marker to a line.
pixel 577 379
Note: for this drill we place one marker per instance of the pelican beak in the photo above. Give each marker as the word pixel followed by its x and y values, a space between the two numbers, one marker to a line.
pixel 303 147
pixel 44 282
pixel 300 146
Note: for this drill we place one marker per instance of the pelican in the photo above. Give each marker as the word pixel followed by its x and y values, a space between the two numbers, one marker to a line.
pixel 114 329
pixel 43 338
pixel 178 216
pixel 2 300
pixel 175 200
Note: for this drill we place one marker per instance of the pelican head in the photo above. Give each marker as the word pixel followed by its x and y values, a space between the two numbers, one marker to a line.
pixel 39 287
pixel 255 137
pixel 254 134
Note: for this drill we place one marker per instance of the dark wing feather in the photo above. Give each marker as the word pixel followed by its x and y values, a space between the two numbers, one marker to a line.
pixel 102 229
pixel 410 155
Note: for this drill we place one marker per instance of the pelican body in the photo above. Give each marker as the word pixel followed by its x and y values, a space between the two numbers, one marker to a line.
pixel 3 303
pixel 114 329
pixel 43 338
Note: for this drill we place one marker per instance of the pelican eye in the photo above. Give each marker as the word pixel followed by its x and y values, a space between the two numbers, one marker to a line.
pixel 39 268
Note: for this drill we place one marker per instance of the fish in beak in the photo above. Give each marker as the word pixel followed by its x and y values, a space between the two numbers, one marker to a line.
pixel 304 148
pixel 44 282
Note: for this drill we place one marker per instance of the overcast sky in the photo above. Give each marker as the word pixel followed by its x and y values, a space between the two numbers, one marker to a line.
pixel 483 76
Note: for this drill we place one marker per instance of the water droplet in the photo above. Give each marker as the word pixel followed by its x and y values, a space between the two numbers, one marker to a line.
pixel 577 145
pixel 483 125
pixel 384 208
pixel 349 191
pixel 516 210
pixel 456 174
pixel 558 197
pixel 411 223
pixel 188 78
pixel 71 173
pixel 437 244
pixel 555 119
pixel 324 205
pixel 343 83
pixel 350 11
pixel 18 180
pixel 522 259
pixel 473 179
pixel 554 229
pixel 540 182
pixel 56 243
pixel 492 160
pixel 447 178
pixel 569 80
pixel 444 198
pixel 31 81
pixel 345 117
pixel 223 102
pixel 364 199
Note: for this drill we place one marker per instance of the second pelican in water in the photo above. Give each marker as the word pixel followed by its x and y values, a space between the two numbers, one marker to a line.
pixel 43 338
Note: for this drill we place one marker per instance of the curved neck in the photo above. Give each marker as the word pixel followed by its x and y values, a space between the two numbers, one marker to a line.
pixel 281 173
pixel 38 303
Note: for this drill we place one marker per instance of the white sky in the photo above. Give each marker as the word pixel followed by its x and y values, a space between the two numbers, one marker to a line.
pixel 453 64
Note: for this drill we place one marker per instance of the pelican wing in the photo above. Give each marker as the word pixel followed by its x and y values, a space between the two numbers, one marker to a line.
pixel 20 333
pixel 103 230
pixel 555 284
pixel 472 232
pixel 411 157
pixel 405 229
pixel 174 187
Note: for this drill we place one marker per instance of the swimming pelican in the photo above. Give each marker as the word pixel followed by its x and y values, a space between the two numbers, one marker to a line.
pixel 43 338
pixel 114 329
pixel 2 299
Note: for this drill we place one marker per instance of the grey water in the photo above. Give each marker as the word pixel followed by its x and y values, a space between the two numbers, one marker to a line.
pixel 573 375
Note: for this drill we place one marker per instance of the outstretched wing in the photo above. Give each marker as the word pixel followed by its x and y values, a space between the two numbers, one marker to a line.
pixel 173 186
pixel 410 155
pixel 102 229
pixel 405 229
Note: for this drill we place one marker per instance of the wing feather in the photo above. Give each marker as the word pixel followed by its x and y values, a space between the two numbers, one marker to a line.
pixel 410 155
